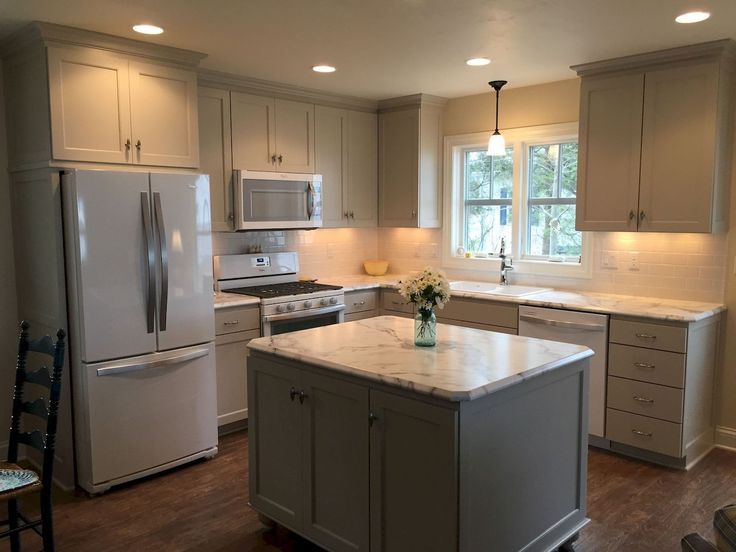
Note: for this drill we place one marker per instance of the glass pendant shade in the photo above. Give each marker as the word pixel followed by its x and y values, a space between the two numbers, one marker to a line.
pixel 496 144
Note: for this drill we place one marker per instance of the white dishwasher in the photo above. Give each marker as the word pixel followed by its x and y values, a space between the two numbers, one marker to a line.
pixel 579 328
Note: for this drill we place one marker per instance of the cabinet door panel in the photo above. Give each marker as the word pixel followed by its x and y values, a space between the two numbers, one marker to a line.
pixel 90 108
pixel 398 167
pixel 609 153
pixel 678 149
pixel 362 181
pixel 215 154
pixel 336 438
pixel 254 141
pixel 163 107
pixel 231 352
pixel 274 428
pixel 295 136
pixel 413 450
pixel 331 156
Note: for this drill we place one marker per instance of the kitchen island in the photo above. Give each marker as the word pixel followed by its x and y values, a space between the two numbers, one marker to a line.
pixel 358 440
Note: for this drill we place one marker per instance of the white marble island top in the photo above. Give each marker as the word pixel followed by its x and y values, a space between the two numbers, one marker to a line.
pixel 464 365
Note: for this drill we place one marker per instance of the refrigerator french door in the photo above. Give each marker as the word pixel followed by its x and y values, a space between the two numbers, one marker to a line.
pixel 139 273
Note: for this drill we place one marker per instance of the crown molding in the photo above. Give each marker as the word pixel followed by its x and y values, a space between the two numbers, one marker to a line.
pixel 413 100
pixel 717 49
pixel 249 85
pixel 52 34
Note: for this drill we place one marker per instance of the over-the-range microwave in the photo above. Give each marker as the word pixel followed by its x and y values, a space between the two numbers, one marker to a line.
pixel 276 201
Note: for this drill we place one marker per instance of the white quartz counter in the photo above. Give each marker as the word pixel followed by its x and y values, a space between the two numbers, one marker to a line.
pixel 224 300
pixel 464 365
pixel 605 303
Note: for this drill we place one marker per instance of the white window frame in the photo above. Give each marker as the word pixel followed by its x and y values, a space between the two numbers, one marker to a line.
pixel 520 139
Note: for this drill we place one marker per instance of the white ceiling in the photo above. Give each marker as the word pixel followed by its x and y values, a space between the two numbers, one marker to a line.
pixel 386 48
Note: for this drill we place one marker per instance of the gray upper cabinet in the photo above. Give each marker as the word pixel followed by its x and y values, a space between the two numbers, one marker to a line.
pixel 346 157
pixel 215 154
pixel 409 136
pixel 77 96
pixel 655 141
pixel 272 134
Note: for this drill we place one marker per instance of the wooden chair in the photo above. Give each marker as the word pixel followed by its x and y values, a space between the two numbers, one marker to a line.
pixel 17 521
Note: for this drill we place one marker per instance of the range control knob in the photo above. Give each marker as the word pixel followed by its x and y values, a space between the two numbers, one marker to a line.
pixel 280 308
pixel 333 300
pixel 290 307
pixel 307 304
pixel 323 302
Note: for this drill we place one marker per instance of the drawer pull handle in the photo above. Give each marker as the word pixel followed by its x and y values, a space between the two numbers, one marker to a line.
pixel 641 433
pixel 643 399
pixel 646 336
pixel 302 397
pixel 359 304
pixel 644 365
pixel 232 322
pixel 293 394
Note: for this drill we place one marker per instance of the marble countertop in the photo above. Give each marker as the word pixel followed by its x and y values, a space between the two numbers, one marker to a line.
pixel 464 365
pixel 224 300
pixel 675 310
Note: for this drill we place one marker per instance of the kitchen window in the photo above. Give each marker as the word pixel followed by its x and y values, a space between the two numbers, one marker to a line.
pixel 525 198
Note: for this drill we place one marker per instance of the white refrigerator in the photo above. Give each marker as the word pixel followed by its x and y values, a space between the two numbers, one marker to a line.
pixel 139 276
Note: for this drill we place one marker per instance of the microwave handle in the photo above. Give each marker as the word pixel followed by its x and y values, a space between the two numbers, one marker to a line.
pixel 238 199
pixel 310 201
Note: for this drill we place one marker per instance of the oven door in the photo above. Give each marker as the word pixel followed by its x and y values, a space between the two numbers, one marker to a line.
pixel 277 200
pixel 274 324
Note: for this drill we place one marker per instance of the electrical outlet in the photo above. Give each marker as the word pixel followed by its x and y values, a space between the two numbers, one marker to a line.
pixel 633 260
pixel 609 260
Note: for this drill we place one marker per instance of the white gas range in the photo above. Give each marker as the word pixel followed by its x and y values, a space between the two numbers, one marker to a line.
pixel 287 304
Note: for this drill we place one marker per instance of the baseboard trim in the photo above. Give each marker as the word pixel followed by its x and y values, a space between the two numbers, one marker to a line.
pixel 726 437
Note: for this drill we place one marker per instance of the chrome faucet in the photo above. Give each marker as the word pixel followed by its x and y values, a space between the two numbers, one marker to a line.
pixel 506 263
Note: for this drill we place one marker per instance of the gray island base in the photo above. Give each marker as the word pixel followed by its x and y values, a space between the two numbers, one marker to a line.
pixel 361 441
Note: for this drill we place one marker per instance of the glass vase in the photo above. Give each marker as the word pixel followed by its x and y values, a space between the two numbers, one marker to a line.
pixel 425 328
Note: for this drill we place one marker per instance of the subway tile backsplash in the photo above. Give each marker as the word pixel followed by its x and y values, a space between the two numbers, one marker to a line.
pixel 679 266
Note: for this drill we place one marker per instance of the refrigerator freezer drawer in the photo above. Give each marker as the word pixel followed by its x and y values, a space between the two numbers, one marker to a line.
pixel 148 411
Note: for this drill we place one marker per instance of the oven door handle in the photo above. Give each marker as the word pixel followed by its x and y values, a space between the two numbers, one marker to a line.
pixel 301 314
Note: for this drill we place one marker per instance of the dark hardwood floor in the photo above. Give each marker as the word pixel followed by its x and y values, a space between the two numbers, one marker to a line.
pixel 634 506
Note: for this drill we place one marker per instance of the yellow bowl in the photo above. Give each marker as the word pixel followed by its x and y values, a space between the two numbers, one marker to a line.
pixel 375 267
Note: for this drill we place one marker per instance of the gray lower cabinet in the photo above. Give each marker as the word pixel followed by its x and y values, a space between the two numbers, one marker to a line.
pixel 234 328
pixel 309 454
pixel 354 465
pixel 414 466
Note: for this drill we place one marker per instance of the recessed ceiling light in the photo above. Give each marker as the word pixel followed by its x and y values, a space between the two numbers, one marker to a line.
pixel 692 17
pixel 323 69
pixel 477 62
pixel 145 28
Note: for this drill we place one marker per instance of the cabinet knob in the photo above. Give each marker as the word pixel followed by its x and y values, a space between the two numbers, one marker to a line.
pixel 273 158
pixel 632 215
pixel 230 216
pixel 293 394
pixel 138 145
pixel 302 397
pixel 127 144
pixel 372 418
pixel 346 214
pixel 352 215
pixel 281 158
pixel 642 215
pixel 413 213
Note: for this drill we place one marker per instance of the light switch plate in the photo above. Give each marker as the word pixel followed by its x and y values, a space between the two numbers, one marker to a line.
pixel 609 260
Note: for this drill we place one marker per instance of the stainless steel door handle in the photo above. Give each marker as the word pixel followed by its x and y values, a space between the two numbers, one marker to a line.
pixel 150 262
pixel 310 201
pixel 562 323
pixel 160 359
pixel 164 303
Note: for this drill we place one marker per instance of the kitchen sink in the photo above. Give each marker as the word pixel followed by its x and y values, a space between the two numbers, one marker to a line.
pixel 495 289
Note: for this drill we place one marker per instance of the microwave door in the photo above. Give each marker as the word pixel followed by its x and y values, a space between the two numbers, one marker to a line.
pixel 279 204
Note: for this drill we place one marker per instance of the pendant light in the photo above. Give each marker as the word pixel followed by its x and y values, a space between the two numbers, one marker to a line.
pixel 496 143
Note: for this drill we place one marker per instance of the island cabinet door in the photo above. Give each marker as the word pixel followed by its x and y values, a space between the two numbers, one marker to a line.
pixel 274 455
pixel 413 451
pixel 335 417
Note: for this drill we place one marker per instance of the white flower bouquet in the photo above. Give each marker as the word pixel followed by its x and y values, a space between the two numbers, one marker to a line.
pixel 428 289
